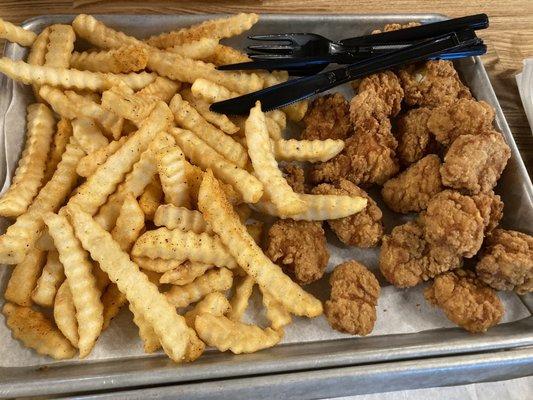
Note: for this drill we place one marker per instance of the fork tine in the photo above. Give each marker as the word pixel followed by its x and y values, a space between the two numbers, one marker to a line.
pixel 271 49
pixel 281 37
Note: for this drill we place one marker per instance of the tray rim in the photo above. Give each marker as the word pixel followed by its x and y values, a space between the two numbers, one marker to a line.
pixel 22 387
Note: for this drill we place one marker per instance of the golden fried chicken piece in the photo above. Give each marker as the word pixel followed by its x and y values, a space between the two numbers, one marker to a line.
pixel 327 118
pixel 432 84
pixel 414 138
pixel 354 296
pixel 395 27
pixel 367 109
pixel 465 300
pixel 363 229
pixel 475 162
pixel 295 177
pixel 453 220
pixel 387 87
pixel 368 157
pixel 507 261
pixel 490 206
pixel 462 117
pixel 411 190
pixel 300 249
pixel 406 259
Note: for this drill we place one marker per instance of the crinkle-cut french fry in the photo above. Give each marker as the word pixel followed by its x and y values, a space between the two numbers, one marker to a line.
pixel 219 120
pixel 48 283
pixel 187 117
pixel 81 281
pixel 59 102
pixel 134 80
pixel 60 45
pixel 228 55
pixel 61 139
pixel 140 292
pixel 35 331
pixel 201 154
pixel 37 55
pixel 278 117
pixel 307 150
pixel 295 112
pixel 266 167
pixel 225 334
pixel 91 162
pixel 173 217
pixel 110 122
pixel 211 91
pixel 130 58
pixel 183 69
pixel 223 55
pixel 130 106
pixel 241 296
pixel 197 50
pixel 185 273
pixel 147 333
pixel 216 280
pixel 162 89
pixel 112 300
pixel 101 278
pixel 30 170
pixel 94 192
pixel 70 78
pixel 194 179
pixel 178 245
pixel 273 129
pixel 130 223
pixel 225 222
pixel 16 34
pixel 171 168
pixel 24 277
pixel 213 303
pixel 275 312
pixel 88 135
pixel 142 173
pixel 151 198
pixel 216 28
pixel 65 313
pixel 159 265
pixel 95 32
pixel 22 235
pixel 319 207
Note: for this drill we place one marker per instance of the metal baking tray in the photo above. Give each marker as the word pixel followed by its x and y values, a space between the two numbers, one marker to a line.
pixel 341 362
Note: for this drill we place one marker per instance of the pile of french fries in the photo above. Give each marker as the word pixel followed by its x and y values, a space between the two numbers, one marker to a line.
pixel 130 191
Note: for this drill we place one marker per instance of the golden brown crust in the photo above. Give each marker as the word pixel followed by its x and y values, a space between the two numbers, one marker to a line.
pixel 299 247
pixel 462 117
pixel 363 229
pixel 327 118
pixel 395 27
pixel 411 190
pixel 507 261
pixel 368 157
pixel 454 220
pixel 387 86
pixel 490 207
pixel 414 138
pixel 475 162
pixel 465 300
pixel 354 296
pixel 432 84
pixel 295 176
pixel 406 259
